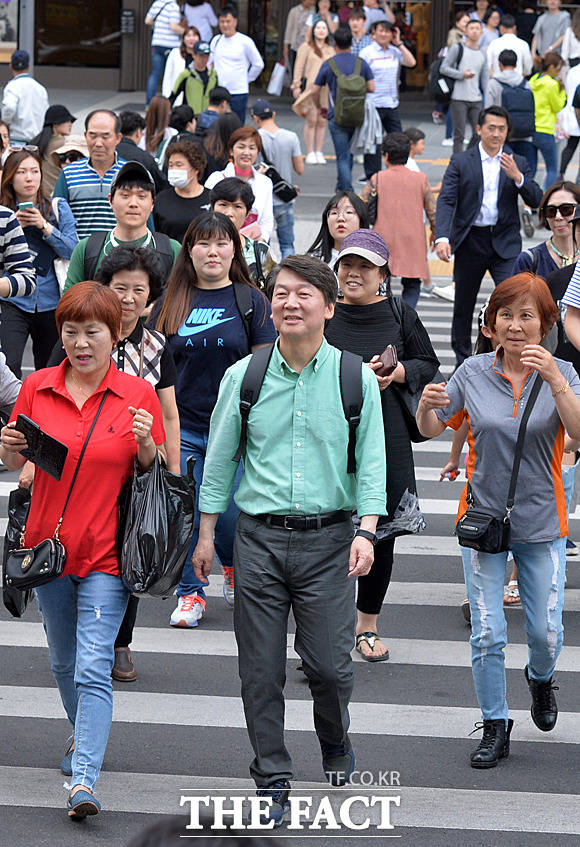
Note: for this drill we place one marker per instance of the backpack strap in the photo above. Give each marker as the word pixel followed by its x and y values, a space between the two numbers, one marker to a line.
pixel 459 55
pixel 93 249
pixel 533 254
pixel 162 244
pixel 259 267
pixel 250 390
pixel 245 304
pixel 352 399
pixel 334 67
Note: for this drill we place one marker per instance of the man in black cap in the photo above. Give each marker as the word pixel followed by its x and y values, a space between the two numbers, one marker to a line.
pixel 131 198
pixel 196 82
pixel 280 148
pixel 24 100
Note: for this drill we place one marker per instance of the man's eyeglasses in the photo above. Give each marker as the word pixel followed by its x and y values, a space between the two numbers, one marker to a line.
pixel 71 156
pixel 566 210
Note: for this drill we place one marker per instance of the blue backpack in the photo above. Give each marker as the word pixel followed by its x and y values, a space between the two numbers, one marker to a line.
pixel 519 103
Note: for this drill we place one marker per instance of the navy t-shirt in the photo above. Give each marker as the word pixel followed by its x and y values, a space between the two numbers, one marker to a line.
pixel 345 63
pixel 211 339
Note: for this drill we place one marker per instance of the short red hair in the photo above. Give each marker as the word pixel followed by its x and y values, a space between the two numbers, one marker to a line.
pixel 90 301
pixel 245 133
pixel 517 287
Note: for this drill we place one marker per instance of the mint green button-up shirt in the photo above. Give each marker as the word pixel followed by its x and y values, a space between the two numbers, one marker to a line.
pixel 296 455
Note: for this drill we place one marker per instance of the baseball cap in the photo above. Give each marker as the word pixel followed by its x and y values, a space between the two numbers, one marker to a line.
pixel 262 109
pixel 132 170
pixel 365 243
pixel 20 60
pixel 201 47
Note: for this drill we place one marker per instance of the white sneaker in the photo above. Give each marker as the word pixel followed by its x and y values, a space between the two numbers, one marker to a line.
pixel 228 586
pixel 320 157
pixel 447 142
pixel 427 289
pixel 189 611
pixel 311 159
pixel 446 292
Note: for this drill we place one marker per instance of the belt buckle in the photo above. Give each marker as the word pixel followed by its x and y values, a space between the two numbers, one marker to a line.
pixel 285 524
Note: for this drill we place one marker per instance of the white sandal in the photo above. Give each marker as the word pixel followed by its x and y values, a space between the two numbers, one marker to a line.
pixel 511 594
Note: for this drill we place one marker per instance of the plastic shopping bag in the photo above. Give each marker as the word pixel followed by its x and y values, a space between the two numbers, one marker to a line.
pixel 276 83
pixel 14 599
pixel 156 513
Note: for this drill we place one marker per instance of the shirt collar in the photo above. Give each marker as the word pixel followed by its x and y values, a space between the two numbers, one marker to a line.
pixel 117 162
pixel 280 364
pixel 485 157
pixel 55 380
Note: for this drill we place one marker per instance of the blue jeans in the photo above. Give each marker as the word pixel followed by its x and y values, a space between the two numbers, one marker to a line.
pixel 284 216
pixel 341 138
pixel 528 151
pixel 546 144
pixel 158 59
pixel 195 444
pixel 239 105
pixel 541 573
pixel 81 617
pixel 411 290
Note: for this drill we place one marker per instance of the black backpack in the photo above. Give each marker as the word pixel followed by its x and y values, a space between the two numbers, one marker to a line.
pixel 96 242
pixel 350 392
pixel 519 102
pixel 440 86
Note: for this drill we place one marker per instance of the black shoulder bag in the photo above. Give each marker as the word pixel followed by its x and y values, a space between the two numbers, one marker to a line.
pixel 283 190
pixel 479 529
pixel 30 567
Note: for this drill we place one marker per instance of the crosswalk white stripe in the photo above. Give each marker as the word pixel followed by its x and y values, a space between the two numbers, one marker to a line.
pixel 160 794
pixel 150 707
pixel 206 642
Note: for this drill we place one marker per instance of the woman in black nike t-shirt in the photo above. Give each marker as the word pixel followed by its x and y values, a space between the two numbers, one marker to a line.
pixel 201 316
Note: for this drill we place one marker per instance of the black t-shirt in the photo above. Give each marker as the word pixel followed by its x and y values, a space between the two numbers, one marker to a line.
pixel 557 282
pixel 173 214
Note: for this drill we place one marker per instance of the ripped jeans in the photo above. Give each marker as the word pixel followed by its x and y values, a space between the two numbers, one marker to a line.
pixel 81 618
pixel 541 573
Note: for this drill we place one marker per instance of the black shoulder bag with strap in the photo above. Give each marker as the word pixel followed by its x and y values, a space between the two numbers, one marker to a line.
pixel 350 392
pixel 283 190
pixel 29 567
pixel 96 242
pixel 481 530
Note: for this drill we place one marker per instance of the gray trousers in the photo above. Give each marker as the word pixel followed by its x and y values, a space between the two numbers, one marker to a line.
pixel 277 570
pixel 461 112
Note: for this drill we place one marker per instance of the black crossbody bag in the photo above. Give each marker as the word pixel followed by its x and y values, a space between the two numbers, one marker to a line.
pixel 30 567
pixel 479 529
pixel 282 188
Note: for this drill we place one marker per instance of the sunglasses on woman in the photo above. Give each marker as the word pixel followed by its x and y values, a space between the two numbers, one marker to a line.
pixel 67 158
pixel 565 209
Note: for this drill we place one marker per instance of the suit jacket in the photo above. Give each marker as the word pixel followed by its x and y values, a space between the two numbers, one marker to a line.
pixel 461 196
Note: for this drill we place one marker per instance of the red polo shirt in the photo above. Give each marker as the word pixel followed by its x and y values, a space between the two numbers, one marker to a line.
pixel 90 521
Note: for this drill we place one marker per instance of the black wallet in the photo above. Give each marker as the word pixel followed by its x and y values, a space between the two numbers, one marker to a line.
pixel 43 450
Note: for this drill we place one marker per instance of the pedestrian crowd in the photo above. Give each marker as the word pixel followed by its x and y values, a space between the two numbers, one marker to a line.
pixel 138 259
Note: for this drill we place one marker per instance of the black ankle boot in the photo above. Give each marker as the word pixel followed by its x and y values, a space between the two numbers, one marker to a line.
pixel 544 709
pixel 494 745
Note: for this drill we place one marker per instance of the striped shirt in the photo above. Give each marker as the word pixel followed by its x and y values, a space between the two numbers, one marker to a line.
pixel 88 195
pixel 15 261
pixel 385 67
pixel 572 295
pixel 164 13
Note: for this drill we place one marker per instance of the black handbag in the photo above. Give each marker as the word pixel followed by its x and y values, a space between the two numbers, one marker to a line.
pixel 479 529
pixel 15 601
pixel 283 190
pixel 372 204
pixel 30 567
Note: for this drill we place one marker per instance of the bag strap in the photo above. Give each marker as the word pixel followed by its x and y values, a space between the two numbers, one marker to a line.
pixel 459 55
pixel 93 249
pixel 54 204
pixel 245 304
pixel 250 391
pixel 259 266
pixel 519 448
pixel 352 399
pixel 74 479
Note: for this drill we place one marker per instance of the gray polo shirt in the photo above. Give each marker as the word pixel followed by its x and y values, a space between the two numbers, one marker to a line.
pixel 479 391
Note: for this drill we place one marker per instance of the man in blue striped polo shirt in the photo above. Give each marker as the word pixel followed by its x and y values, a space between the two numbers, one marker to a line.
pixel 86 184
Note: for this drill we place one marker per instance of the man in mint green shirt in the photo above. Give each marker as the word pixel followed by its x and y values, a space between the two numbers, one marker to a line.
pixel 294 546
pixel 132 198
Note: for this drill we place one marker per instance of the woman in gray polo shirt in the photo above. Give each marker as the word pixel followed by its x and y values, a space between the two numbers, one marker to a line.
pixel 491 391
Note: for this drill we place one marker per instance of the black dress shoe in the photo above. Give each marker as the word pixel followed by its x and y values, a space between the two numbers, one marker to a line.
pixel 494 745
pixel 123 670
pixel 544 709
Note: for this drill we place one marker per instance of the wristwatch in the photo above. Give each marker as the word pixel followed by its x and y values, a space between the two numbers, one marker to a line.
pixel 364 533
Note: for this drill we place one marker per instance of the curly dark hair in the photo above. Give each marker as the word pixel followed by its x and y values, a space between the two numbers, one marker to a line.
pixel 131 259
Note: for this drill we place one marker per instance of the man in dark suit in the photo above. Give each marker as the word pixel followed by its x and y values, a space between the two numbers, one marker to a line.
pixel 477 217
pixel 132 126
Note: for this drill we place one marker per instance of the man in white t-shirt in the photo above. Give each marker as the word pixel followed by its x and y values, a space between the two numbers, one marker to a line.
pixel 236 59
pixel 165 18
pixel 509 40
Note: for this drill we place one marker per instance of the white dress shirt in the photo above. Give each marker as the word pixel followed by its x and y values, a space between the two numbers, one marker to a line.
pixel 24 104
pixel 491 167
pixel 510 41
pixel 236 60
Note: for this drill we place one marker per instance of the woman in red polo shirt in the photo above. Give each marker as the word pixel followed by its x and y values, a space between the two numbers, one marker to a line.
pixel 83 609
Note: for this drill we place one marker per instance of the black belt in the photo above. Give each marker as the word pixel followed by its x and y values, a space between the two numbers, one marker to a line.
pixel 303 522
pixel 488 227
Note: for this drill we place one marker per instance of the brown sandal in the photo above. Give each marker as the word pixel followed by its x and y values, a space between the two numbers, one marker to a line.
pixel 369 638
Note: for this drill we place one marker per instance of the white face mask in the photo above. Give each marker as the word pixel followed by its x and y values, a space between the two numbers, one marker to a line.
pixel 178 178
